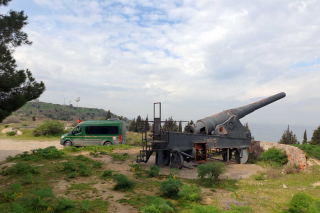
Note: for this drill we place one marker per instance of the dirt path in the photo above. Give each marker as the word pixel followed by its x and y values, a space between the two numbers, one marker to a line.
pixel 12 147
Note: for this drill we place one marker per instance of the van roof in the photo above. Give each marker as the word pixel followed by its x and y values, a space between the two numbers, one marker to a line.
pixel 100 122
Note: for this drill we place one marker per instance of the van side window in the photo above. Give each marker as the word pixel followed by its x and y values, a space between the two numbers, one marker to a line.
pixel 102 130
pixel 77 130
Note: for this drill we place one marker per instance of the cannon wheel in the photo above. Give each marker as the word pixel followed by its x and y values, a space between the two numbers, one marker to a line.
pixel 176 160
pixel 166 158
pixel 225 155
pixel 244 158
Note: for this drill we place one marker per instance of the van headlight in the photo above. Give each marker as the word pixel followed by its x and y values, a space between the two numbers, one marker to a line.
pixel 62 136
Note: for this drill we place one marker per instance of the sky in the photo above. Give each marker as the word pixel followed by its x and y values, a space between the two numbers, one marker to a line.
pixel 196 57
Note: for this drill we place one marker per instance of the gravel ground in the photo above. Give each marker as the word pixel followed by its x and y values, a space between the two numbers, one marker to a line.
pixel 12 147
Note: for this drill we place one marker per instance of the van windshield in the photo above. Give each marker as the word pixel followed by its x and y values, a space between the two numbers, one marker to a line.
pixel 101 130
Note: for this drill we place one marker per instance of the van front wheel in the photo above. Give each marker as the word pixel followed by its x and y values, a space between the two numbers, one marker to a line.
pixel 67 143
pixel 107 144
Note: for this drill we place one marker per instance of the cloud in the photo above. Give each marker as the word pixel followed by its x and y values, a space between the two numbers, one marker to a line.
pixel 187 54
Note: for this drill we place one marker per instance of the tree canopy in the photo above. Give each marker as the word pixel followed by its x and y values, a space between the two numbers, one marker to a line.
pixel 315 140
pixel 288 137
pixel 16 86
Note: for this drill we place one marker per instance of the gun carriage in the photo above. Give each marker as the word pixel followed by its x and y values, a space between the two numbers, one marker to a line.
pixel 222 132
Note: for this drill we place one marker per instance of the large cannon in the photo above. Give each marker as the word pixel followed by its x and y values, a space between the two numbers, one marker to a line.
pixel 223 132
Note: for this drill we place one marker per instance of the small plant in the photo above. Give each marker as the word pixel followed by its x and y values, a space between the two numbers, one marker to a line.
pixel 86 206
pixel 119 157
pixel 190 192
pixel 11 133
pixel 278 157
pixel 211 169
pixel 291 169
pixel 72 175
pixel 12 193
pixel 138 175
pixel 154 171
pixel 136 167
pixel 49 128
pixel 170 188
pixel 34 118
pixel 205 209
pixel 24 124
pixel 157 205
pixel 123 183
pixel 64 204
pixel 83 158
pixel 68 167
pixel 84 172
pixel 258 177
pixel 302 202
pixel 107 173
pixel 28 179
pixel 21 169
pixel 97 165
pixel 6 126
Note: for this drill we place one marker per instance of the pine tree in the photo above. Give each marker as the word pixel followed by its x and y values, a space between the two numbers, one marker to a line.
pixel 170 125
pixel 305 140
pixel 139 124
pixel 180 127
pixel 133 126
pixel 147 124
pixel 16 86
pixel 288 137
pixel 108 114
pixel 315 140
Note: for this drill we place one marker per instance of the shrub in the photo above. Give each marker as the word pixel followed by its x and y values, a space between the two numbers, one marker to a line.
pixel 97 165
pixel 154 171
pixel 11 133
pixel 20 169
pixel 69 167
pixel 24 124
pixel 171 188
pixel 28 179
pixel 84 172
pixel 190 192
pixel 123 183
pixel 86 206
pixel 302 202
pixel 63 204
pixel 135 167
pixel 277 156
pixel 157 205
pixel 83 158
pixel 241 208
pixel 50 152
pixel 211 169
pixel 12 193
pixel 258 177
pixel 291 169
pixel 72 175
pixel 119 157
pixel 107 173
pixel 6 126
pixel 49 128
pixel 11 119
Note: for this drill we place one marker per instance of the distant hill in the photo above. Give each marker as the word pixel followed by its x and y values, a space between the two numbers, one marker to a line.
pixel 63 112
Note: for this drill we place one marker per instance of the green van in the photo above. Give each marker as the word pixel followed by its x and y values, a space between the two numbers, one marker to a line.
pixel 96 132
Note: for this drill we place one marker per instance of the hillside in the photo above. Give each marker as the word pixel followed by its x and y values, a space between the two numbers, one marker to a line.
pixel 62 112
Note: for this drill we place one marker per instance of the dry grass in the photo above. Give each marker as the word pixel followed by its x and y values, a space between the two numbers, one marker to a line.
pixel 291 169
pixel 11 119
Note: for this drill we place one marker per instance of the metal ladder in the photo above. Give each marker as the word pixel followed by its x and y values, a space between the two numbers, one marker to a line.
pixel 145 153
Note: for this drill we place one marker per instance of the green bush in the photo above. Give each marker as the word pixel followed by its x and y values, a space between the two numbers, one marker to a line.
pixel 171 188
pixel 278 157
pixel 49 128
pixel 72 175
pixel 21 169
pixel 6 126
pixel 206 209
pixel 310 150
pixel 28 179
pixel 157 205
pixel 154 171
pixel 302 202
pixel 24 124
pixel 12 133
pixel 84 172
pixel 190 192
pixel 83 158
pixel 120 157
pixel 64 204
pixel 136 167
pixel 107 173
pixel 123 183
pixel 68 167
pixel 12 193
pixel 97 165
pixel 211 169
pixel 241 208
pixel 50 152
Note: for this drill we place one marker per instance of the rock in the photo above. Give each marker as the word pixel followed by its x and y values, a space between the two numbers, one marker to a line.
pixel 19 132
pixel 6 130
pixel 284 186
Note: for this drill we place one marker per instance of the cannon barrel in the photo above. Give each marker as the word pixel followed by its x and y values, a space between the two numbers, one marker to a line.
pixel 208 124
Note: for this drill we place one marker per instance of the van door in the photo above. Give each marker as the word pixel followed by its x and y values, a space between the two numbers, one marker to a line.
pixel 77 136
pixel 92 135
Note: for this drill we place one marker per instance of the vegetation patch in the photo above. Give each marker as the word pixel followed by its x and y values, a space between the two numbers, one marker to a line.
pixel 310 150
pixel 170 188
pixel 157 205
pixel 153 172
pixel 213 170
pixel 275 157
pixel 120 157
pixel 123 183
pixel 191 193
pixel 49 128
pixel 20 169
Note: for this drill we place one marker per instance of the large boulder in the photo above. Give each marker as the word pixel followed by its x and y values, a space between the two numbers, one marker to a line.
pixel 9 129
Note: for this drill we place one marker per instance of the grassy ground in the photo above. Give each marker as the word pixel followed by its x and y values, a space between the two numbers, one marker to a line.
pixel 310 150
pixel 76 174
